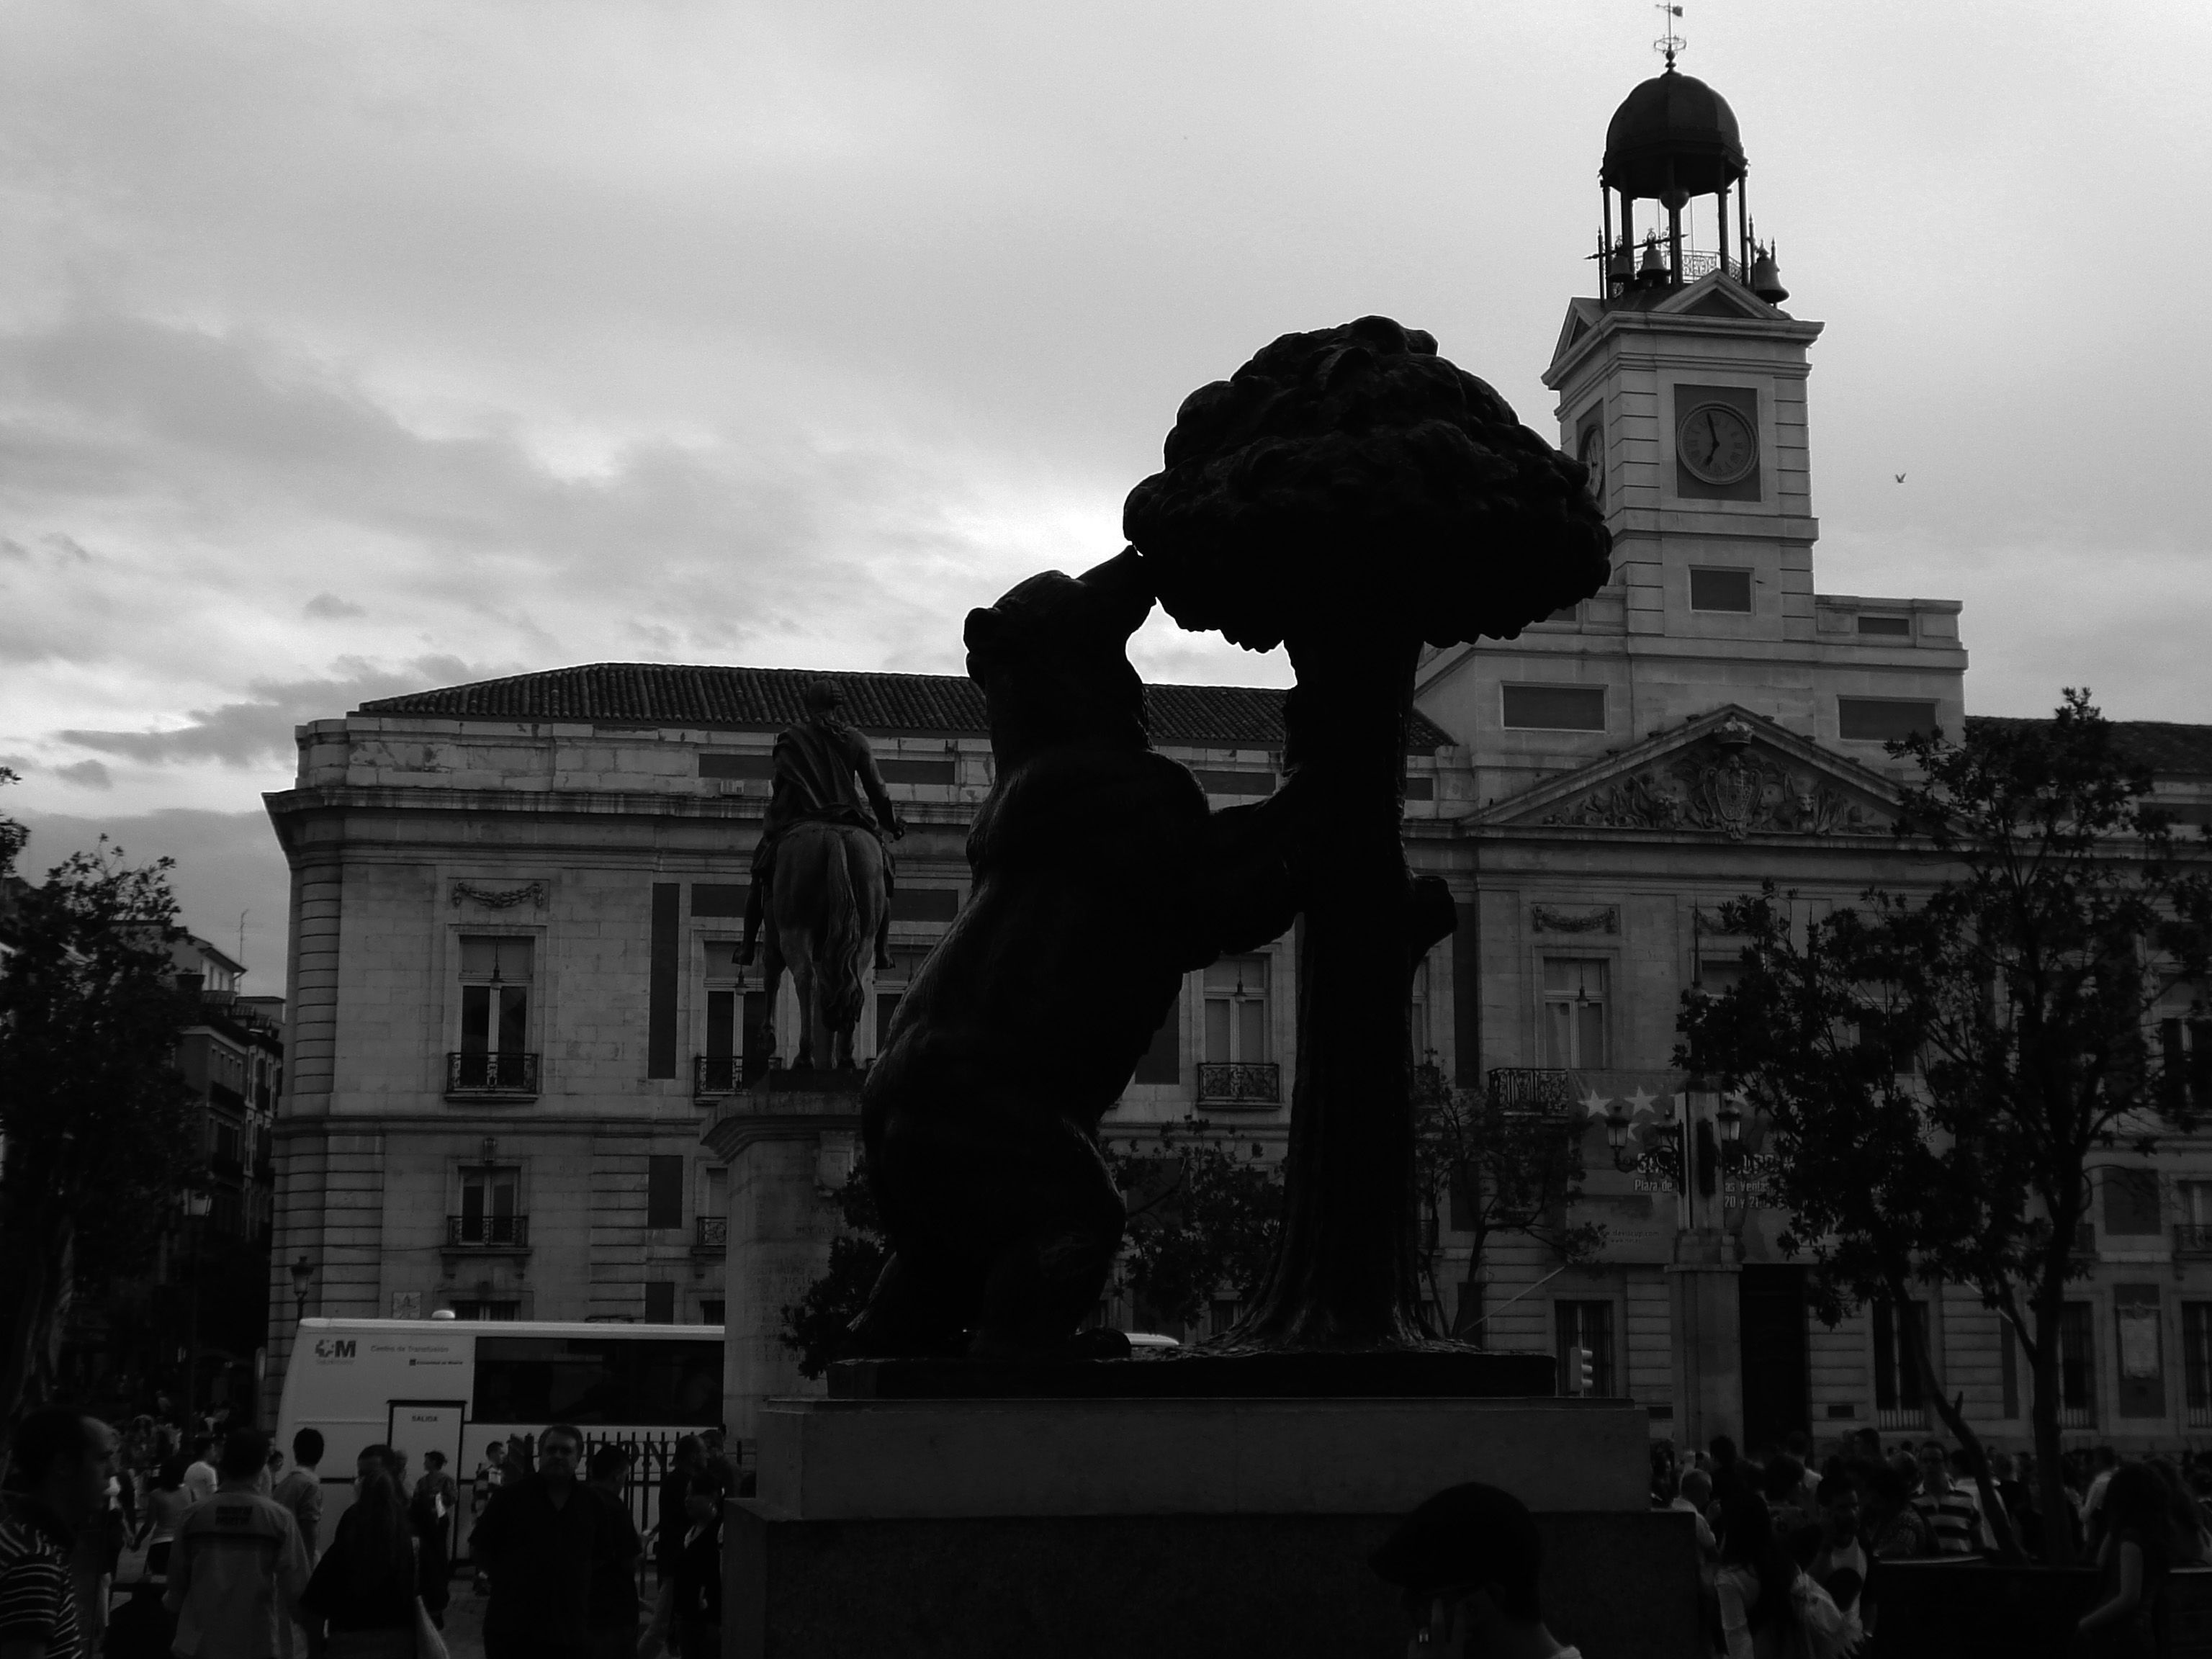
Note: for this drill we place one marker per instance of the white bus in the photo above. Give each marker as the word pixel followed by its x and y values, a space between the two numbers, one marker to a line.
pixel 455 1386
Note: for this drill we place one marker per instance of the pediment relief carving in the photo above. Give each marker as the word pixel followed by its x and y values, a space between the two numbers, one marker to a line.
pixel 1725 785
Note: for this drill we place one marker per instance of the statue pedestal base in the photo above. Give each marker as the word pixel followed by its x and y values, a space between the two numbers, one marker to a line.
pixel 1169 1527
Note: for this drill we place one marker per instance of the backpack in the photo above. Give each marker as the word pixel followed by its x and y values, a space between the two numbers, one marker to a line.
pixel 1818 1627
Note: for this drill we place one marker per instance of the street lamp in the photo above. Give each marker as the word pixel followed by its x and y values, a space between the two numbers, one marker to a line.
pixel 1616 1137
pixel 303 1273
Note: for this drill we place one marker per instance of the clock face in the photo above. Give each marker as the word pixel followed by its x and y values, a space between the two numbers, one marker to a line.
pixel 1716 444
pixel 1591 453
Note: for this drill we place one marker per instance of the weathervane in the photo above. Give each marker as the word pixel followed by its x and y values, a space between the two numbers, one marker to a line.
pixel 1670 43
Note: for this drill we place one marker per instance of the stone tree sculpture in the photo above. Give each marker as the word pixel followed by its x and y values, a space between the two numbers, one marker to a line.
pixel 1351 495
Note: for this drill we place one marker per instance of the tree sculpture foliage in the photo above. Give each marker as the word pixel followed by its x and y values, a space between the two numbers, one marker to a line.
pixel 1351 494
pixel 1942 1067
pixel 1490 1171
pixel 97 1122
pixel 1205 1214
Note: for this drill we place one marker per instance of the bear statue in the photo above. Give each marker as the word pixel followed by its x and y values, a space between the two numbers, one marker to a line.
pixel 1101 879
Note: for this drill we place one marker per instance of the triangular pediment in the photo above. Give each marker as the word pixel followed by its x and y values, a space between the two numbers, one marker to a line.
pixel 1728 773
pixel 1582 315
pixel 1716 293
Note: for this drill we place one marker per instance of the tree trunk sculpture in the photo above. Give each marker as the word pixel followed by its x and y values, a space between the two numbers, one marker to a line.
pixel 1351 495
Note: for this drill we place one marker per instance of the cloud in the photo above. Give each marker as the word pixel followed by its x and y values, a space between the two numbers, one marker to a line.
pixel 87 775
pixel 226 862
pixel 330 607
pixel 252 732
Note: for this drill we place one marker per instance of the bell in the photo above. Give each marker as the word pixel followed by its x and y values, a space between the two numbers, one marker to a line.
pixel 1766 280
pixel 1655 262
pixel 1622 266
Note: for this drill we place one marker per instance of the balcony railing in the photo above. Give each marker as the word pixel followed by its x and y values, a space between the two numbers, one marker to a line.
pixel 488 1231
pixel 1900 1417
pixel 2192 1238
pixel 1530 1089
pixel 712 1232
pixel 1241 1083
pixel 2197 1413
pixel 716 1074
pixel 513 1074
pixel 2078 1417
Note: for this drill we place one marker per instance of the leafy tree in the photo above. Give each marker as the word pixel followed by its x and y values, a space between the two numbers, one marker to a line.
pixel 1204 1212
pixel 1940 1069
pixel 99 1126
pixel 814 1326
pixel 1489 1170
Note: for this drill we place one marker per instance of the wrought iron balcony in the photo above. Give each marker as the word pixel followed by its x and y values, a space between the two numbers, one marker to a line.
pixel 713 1233
pixel 2192 1238
pixel 512 1075
pixel 499 1232
pixel 716 1074
pixel 1241 1083
pixel 1531 1089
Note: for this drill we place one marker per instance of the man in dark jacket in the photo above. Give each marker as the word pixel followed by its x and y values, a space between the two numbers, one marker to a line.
pixel 543 1540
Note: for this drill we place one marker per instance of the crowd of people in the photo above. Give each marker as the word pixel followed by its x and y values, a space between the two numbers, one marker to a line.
pixel 134 1544
pixel 1791 1546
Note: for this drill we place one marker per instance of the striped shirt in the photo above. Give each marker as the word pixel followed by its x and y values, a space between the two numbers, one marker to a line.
pixel 1955 1519
pixel 36 1604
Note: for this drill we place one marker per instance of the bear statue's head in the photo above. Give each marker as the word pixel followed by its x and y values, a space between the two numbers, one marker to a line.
pixel 1052 657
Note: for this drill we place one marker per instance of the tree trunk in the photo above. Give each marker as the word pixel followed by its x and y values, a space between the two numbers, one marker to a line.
pixel 36 1279
pixel 1346 1274
pixel 2049 1474
pixel 1954 1419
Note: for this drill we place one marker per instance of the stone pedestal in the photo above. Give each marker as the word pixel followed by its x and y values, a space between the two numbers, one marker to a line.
pixel 788 1141
pixel 1171 1526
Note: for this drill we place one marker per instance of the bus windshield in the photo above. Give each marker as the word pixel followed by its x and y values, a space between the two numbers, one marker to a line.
pixel 589 1380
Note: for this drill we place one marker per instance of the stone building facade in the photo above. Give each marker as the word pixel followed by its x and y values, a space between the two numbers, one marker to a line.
pixel 519 1040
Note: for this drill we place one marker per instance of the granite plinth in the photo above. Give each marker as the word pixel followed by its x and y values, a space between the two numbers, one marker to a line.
pixel 1419 1376
pixel 1163 1587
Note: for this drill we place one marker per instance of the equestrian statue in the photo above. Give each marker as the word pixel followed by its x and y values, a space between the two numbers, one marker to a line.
pixel 822 876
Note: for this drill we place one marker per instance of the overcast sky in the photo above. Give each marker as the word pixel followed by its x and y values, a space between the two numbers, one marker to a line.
pixel 349 349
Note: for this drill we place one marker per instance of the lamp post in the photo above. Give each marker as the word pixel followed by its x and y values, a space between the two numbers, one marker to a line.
pixel 197 1205
pixel 303 1273
pixel 1616 1137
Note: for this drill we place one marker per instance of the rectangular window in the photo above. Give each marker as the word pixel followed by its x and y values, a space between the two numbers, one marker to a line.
pixel 664 1190
pixel 2132 1203
pixel 1574 1014
pixel 718 901
pixel 710 1309
pixel 2194 1197
pixel 896 770
pixel 1161 1062
pixel 660 980
pixel 490 1202
pixel 1888 628
pixel 733 765
pixel 1717 977
pixel 1417 1015
pixel 926 904
pixel 1721 590
pixel 660 1302
pixel 1896 1378
pixel 714 1191
pixel 1555 707
pixel 721 1025
pixel 2184 1056
pixel 504 1310
pixel 1222 782
pixel 1587 1326
pixel 1882 719
pixel 494 995
pixel 2077 1364
pixel 1236 1011
pixel 2196 1360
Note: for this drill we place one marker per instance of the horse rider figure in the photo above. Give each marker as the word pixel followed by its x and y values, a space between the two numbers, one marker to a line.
pixel 815 764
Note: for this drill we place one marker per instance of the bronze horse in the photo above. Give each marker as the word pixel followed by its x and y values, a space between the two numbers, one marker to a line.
pixel 825 903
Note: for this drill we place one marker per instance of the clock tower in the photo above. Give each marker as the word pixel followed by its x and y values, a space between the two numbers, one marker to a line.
pixel 1681 386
